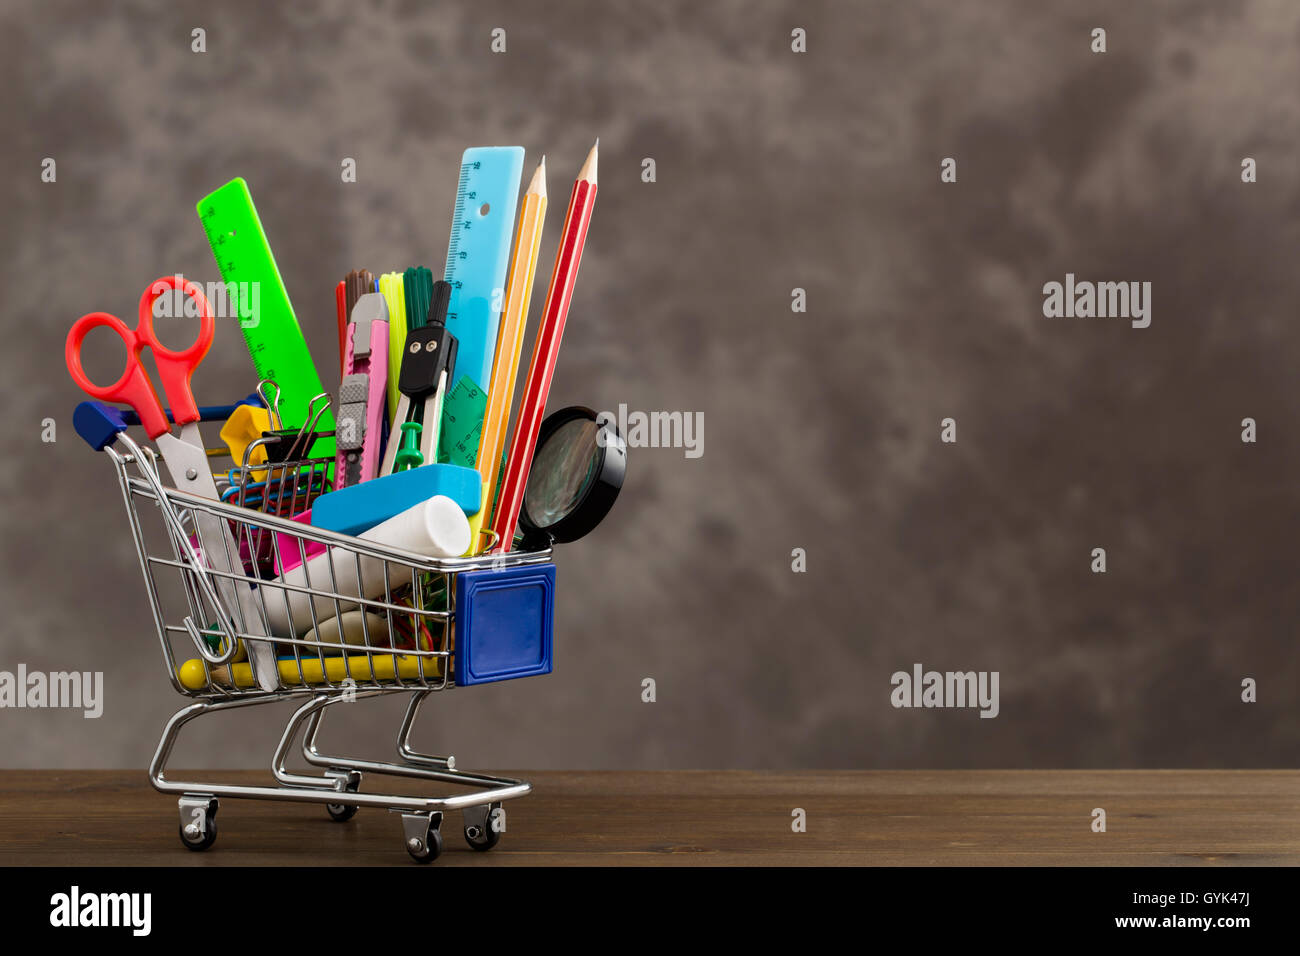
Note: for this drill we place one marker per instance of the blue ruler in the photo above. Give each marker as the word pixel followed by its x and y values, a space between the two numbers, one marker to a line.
pixel 478 256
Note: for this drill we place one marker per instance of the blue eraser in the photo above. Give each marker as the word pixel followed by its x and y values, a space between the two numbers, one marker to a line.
pixel 359 508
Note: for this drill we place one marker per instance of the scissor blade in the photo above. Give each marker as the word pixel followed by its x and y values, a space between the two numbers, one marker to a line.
pixel 188 464
pixel 190 472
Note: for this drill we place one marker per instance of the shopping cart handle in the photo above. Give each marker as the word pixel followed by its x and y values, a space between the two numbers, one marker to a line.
pixel 207 413
pixel 98 424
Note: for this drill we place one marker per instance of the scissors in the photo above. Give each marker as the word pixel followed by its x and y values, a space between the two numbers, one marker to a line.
pixel 186 459
pixel 185 456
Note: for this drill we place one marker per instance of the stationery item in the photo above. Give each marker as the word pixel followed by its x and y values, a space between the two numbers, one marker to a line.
pixel 426 363
pixel 290 444
pixel 268 394
pixel 478 254
pixel 392 287
pixel 418 631
pixel 408 453
pixel 462 423
pixel 357 508
pixel 576 474
pixel 185 457
pixel 342 312
pixel 267 495
pixel 287 553
pixel 360 667
pixel 352 627
pixel 273 337
pixel 244 427
pixel 545 351
pixel 491 436
pixel 417 286
pixel 357 283
pixel 362 392
pixel 213 638
pixel 435 528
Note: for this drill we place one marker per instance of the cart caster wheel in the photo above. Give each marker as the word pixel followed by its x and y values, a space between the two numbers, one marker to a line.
pixel 481 829
pixel 341 812
pixel 196 839
pixel 426 850
pixel 482 838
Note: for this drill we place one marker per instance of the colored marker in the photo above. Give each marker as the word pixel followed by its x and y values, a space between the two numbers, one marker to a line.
pixel 357 283
pixel 392 286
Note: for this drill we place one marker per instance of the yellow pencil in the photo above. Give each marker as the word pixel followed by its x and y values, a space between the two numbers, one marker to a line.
pixel 510 345
pixel 394 292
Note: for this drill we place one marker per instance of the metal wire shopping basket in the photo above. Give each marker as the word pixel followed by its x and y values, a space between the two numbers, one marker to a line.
pixel 341 618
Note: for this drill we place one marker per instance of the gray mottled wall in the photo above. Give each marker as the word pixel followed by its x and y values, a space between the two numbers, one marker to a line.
pixel 775 170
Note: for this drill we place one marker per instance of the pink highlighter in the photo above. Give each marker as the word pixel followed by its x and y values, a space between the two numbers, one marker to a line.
pixel 363 396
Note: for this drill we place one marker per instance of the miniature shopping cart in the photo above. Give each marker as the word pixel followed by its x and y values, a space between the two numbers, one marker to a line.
pixel 342 619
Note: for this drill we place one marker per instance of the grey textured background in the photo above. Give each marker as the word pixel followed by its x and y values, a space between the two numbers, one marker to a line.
pixel 775 170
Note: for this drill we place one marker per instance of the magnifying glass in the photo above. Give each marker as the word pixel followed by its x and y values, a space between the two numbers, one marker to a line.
pixel 576 473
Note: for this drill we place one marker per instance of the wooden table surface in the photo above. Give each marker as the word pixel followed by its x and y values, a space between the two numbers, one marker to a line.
pixel 699 817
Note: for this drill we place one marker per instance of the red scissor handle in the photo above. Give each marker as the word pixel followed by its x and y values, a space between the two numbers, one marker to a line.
pixel 174 367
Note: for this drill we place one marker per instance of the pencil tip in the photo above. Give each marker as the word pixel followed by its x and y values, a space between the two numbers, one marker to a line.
pixel 588 171
pixel 538 183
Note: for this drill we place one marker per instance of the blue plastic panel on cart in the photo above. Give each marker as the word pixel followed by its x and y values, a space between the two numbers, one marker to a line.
pixel 503 623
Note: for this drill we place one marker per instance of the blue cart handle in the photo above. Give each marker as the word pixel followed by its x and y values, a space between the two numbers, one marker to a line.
pixel 99 424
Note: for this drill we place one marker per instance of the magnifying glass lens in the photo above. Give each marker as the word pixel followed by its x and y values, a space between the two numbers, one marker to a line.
pixel 562 473
pixel 576 473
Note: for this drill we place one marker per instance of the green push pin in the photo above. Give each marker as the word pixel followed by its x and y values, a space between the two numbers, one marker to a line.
pixel 408 453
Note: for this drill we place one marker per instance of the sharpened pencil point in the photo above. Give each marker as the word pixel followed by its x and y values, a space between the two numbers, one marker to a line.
pixel 538 183
pixel 588 171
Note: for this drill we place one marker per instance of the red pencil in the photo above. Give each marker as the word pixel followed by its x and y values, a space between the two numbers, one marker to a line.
pixel 545 350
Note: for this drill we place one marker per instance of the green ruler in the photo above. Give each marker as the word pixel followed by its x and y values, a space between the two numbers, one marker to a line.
pixel 273 337
pixel 462 424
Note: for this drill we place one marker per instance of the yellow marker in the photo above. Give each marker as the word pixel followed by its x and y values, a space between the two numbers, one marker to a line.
pixel 394 292
pixel 191 673
pixel 510 345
